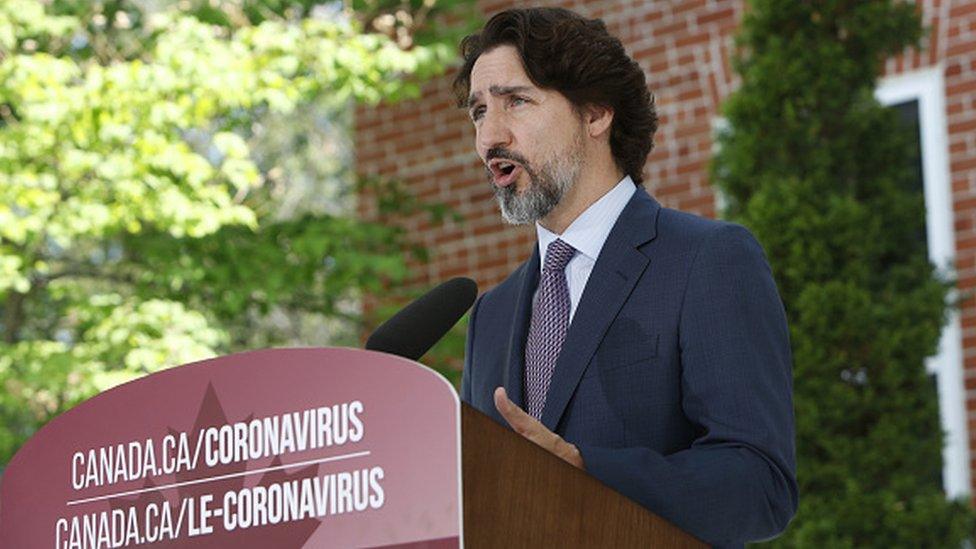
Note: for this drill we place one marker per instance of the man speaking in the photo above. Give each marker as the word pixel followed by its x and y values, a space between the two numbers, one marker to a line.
pixel 644 345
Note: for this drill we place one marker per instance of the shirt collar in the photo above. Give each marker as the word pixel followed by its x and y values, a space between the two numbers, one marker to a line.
pixel 588 232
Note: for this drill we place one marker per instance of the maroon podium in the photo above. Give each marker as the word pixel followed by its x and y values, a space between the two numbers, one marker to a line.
pixel 302 448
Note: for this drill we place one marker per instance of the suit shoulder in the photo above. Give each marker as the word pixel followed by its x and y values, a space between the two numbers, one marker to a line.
pixel 506 291
pixel 690 232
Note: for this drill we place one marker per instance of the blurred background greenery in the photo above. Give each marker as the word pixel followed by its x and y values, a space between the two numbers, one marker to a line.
pixel 824 177
pixel 177 182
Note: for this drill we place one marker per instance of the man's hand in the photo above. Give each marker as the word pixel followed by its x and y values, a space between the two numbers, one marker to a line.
pixel 530 428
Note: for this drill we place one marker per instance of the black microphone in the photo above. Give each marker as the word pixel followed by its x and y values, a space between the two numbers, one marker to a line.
pixel 417 327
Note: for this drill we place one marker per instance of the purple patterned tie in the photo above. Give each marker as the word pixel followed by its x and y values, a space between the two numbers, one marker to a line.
pixel 550 320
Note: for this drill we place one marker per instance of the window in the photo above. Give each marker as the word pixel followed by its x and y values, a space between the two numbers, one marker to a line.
pixel 919 99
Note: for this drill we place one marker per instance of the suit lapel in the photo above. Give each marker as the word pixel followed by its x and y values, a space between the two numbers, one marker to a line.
pixel 614 275
pixel 520 329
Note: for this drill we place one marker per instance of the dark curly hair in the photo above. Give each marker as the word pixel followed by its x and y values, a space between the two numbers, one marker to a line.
pixel 577 57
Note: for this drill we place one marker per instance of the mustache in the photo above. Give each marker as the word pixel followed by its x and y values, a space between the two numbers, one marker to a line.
pixel 504 154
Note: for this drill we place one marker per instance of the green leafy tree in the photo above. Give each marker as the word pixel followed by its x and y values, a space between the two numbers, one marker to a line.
pixel 821 173
pixel 143 212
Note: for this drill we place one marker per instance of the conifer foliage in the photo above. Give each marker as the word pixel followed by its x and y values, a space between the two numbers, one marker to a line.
pixel 821 173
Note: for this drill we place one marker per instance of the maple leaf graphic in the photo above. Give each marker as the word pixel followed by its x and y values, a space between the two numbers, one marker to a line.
pixel 285 535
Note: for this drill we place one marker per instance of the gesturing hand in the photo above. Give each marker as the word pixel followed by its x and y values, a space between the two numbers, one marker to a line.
pixel 530 428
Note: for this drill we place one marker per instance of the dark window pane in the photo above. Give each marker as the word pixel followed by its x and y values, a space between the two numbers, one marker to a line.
pixel 908 115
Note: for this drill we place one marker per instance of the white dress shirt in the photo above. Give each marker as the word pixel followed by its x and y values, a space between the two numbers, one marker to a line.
pixel 587 233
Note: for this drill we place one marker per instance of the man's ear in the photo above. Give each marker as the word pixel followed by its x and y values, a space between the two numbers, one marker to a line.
pixel 598 120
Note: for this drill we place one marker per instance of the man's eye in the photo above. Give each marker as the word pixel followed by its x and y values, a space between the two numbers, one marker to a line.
pixel 518 100
pixel 477 113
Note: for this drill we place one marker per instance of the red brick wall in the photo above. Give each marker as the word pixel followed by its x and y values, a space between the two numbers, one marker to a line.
pixel 683 45
pixel 954 31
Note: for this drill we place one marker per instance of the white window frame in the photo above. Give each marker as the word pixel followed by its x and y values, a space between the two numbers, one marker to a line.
pixel 928 88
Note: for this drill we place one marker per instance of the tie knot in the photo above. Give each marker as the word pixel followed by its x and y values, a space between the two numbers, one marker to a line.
pixel 558 254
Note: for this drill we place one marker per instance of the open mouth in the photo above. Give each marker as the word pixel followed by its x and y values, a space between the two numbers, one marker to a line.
pixel 504 172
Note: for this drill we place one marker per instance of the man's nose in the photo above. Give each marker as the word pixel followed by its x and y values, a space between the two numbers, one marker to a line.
pixel 493 132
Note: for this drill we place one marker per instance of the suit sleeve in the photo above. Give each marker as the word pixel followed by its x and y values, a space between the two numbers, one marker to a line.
pixel 737 481
pixel 469 354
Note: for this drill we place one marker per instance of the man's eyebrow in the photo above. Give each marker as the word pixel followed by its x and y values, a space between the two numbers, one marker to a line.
pixel 497 91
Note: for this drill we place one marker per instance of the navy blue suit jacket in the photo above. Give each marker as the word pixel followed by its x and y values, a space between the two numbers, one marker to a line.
pixel 675 378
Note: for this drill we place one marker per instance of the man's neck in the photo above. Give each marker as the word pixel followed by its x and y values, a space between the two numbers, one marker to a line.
pixel 587 190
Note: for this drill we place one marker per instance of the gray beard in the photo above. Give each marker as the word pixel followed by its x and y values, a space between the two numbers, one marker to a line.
pixel 546 188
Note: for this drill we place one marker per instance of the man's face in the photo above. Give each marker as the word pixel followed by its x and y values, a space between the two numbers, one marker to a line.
pixel 531 140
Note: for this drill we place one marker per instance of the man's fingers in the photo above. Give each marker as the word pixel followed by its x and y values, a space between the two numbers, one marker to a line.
pixel 502 401
pixel 532 429
pixel 523 423
pixel 515 416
